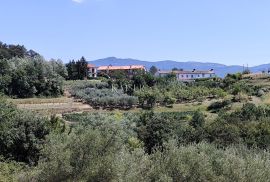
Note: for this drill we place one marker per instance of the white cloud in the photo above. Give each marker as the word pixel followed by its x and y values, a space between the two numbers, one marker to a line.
pixel 78 1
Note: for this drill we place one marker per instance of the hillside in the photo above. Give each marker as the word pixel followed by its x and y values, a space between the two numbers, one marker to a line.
pixel 221 69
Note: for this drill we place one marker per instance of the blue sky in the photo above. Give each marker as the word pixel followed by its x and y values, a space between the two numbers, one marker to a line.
pixel 223 31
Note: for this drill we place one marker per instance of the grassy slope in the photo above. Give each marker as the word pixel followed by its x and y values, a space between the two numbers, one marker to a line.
pixel 63 104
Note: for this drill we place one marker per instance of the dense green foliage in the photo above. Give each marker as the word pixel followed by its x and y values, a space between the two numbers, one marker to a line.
pixel 10 170
pixel 180 146
pixel 72 159
pixel 26 74
pixel 216 107
pixel 22 134
pixel 112 147
pixel 77 70
pixel 29 77
pixel 153 70
pixel 176 92
pixel 143 90
pixel 232 83
pixel 100 95
pixel 10 51
pixel 248 126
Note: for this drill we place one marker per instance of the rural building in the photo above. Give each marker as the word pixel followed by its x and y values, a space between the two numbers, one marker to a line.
pixel 93 71
pixel 188 75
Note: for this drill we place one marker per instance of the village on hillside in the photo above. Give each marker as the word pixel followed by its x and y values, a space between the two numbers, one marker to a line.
pixel 181 75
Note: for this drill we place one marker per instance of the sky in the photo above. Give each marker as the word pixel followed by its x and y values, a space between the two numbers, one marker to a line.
pixel 232 32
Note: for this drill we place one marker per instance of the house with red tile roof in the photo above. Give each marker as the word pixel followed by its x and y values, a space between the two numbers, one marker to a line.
pixel 93 71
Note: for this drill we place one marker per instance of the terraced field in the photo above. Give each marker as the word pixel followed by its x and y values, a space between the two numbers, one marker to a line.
pixel 50 106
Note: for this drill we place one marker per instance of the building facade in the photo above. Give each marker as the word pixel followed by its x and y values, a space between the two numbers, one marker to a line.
pixel 189 75
pixel 92 71
pixel 130 70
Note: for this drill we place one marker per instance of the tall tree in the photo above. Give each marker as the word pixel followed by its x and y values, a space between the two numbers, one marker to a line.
pixel 153 70
pixel 59 67
pixel 17 51
pixel 77 70
pixel 69 70
pixel 82 68
pixel 32 53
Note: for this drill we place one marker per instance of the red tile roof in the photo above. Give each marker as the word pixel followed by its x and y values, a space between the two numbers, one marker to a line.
pixel 131 67
pixel 91 66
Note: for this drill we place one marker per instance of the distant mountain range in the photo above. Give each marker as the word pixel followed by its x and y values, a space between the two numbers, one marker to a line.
pixel 220 69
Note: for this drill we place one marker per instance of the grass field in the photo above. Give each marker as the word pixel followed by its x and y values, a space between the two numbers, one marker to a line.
pixel 41 100
pixel 50 106
pixel 265 81
pixel 266 99
pixel 66 105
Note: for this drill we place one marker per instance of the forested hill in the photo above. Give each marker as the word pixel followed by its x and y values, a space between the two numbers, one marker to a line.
pixel 221 69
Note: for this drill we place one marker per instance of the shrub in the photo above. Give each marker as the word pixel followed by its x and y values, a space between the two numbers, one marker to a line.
pixel 169 101
pixel 22 133
pixel 260 93
pixel 217 106
pixel 10 170
pixel 97 95
pixel 197 120
pixel 154 130
pixel 241 97
pixel 204 162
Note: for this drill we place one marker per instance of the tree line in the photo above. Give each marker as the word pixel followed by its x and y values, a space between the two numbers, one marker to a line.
pixel 8 51
pixel 77 70
pixel 24 73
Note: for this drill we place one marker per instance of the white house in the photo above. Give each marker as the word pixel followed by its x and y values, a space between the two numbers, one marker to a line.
pixel 189 75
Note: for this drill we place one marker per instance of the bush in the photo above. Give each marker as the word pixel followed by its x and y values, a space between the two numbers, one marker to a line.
pixel 97 94
pixel 241 97
pixel 217 106
pixel 153 130
pixel 169 101
pixel 196 162
pixel 260 93
pixel 197 120
pixel 109 147
pixel 22 134
pixel 86 154
pixel 204 162
pixel 10 170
